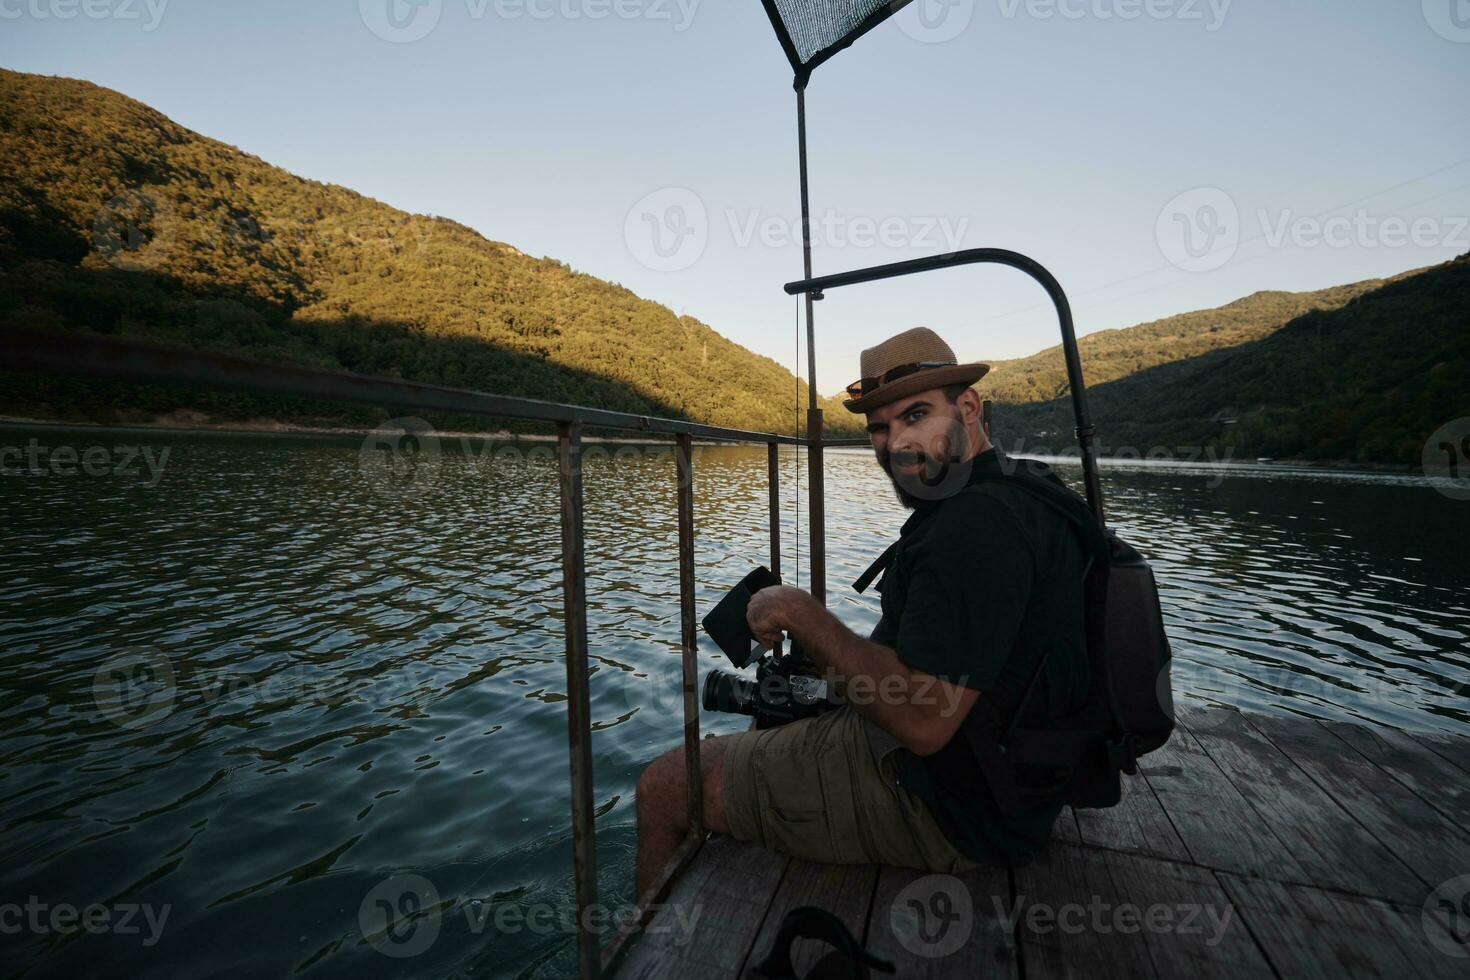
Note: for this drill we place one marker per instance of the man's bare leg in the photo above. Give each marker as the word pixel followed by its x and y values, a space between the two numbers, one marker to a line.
pixel 663 806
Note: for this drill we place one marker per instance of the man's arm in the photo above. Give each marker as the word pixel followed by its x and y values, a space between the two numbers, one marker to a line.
pixel 920 710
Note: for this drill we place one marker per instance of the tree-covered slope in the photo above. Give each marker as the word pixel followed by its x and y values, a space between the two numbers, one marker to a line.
pixel 1111 354
pixel 1364 373
pixel 115 219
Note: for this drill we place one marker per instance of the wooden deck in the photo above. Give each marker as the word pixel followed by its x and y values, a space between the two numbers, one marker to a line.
pixel 1248 846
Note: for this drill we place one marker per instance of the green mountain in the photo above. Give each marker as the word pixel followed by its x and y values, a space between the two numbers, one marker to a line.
pixel 116 220
pixel 1363 373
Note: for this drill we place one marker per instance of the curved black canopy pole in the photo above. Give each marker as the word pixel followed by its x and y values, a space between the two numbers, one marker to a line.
pixel 997 256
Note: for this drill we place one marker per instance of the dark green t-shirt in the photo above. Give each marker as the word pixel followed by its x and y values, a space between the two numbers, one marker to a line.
pixel 983 582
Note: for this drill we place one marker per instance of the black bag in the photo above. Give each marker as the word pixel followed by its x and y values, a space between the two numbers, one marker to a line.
pixel 1028 759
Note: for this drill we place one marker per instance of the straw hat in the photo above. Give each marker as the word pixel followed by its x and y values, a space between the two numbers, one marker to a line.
pixel 915 360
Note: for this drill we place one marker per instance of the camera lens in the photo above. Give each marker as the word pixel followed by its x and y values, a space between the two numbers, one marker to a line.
pixel 729 693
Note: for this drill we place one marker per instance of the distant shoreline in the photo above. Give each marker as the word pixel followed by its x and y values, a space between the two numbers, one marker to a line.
pixel 275 427
pixel 268 427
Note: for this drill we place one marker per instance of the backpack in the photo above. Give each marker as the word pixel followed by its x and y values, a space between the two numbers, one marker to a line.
pixel 1028 759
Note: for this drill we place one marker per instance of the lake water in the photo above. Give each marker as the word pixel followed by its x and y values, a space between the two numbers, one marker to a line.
pixel 245 684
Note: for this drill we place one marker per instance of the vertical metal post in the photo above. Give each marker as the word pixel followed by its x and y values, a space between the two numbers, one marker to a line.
pixel 694 778
pixel 818 506
pixel 579 712
pixel 773 475
pixel 806 244
pixel 813 413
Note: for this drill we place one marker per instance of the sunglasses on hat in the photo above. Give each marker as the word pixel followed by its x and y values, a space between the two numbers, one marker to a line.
pixel 866 386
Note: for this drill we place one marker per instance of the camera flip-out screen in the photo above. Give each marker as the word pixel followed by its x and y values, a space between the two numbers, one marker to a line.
pixel 726 622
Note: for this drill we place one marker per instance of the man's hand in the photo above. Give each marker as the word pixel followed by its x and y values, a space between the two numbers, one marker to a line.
pixel 777 609
pixel 921 711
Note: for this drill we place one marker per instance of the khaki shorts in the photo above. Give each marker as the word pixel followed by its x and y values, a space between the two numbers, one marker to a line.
pixel 824 789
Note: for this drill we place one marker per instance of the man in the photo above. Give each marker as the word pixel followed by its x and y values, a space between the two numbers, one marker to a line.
pixel 984 580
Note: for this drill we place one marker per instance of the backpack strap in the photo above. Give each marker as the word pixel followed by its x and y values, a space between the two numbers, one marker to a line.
pixel 884 560
pixel 997 741
pixel 1050 490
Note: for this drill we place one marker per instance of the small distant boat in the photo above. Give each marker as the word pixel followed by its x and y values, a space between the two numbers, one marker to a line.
pixel 1265 459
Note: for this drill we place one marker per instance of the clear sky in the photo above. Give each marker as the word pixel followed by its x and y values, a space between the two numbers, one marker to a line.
pixel 1158 155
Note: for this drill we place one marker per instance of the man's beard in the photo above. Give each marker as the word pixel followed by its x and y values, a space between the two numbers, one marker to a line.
pixel 939 475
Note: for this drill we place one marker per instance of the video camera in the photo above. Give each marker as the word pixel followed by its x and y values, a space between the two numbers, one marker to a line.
pixel 785 688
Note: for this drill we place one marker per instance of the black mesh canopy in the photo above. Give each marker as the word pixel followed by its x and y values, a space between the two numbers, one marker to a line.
pixel 811 31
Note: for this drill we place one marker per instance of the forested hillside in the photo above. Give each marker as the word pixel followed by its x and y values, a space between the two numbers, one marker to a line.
pixel 1362 373
pixel 1112 354
pixel 116 220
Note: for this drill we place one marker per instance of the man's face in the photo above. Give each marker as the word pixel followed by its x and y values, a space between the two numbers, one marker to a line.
pixel 919 441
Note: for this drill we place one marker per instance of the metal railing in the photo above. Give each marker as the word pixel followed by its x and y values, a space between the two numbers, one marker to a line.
pixel 126 360
pixel 115 359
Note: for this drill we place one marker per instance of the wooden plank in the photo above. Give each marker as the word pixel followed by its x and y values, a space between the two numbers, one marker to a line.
pixel 1217 824
pixel 1061 875
pixel 647 903
pixel 1413 830
pixel 722 896
pixel 1065 829
pixel 1332 848
pixel 1310 932
pixel 845 890
pixel 1435 780
pixel 1137 824
pixel 1188 922
pixel 1453 749
pixel 936 926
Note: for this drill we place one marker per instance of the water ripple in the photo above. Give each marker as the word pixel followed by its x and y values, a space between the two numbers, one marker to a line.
pixel 327 686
